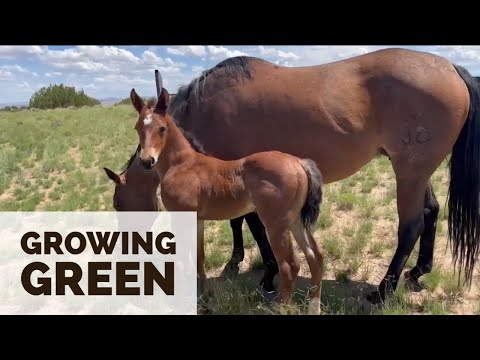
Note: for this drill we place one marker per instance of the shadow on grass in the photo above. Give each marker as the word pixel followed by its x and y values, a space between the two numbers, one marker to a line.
pixel 239 295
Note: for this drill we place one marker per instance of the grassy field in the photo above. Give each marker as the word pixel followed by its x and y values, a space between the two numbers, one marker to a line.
pixel 52 161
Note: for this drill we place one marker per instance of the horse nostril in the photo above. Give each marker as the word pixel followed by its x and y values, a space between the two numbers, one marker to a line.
pixel 147 164
pixel 152 161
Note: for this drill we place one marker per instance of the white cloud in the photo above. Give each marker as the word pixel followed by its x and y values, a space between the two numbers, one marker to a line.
pixel 468 56
pixel 197 69
pixel 24 84
pixel 192 50
pixel 110 53
pixel 5 74
pixel 266 51
pixel 220 52
pixel 91 60
pixel 288 55
pixel 279 57
pixel 10 52
pixel 53 73
pixel 149 57
pixel 16 68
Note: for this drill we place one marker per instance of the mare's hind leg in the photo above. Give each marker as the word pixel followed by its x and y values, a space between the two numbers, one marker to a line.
pixel 427 240
pixel 268 258
pixel 410 204
pixel 315 262
pixel 238 253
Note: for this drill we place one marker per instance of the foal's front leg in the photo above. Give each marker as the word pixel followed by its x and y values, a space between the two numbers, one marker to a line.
pixel 202 275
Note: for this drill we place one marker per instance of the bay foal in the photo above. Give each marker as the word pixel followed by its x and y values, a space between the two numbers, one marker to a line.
pixel 137 189
pixel 284 190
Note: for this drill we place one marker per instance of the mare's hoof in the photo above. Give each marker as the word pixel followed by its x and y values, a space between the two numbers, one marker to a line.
pixel 270 296
pixel 231 269
pixel 375 298
pixel 412 284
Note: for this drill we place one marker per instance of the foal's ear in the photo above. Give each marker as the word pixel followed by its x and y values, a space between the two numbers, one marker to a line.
pixel 118 179
pixel 137 101
pixel 162 102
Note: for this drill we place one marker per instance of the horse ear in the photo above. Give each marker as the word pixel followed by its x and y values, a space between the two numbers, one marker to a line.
pixel 162 102
pixel 136 101
pixel 114 177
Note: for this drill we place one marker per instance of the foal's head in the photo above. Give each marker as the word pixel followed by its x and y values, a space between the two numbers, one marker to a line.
pixel 152 127
pixel 135 189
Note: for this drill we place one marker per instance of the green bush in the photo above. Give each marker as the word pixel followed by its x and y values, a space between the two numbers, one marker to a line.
pixel 60 96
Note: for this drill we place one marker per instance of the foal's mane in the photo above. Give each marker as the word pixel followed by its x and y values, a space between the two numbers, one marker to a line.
pixel 236 67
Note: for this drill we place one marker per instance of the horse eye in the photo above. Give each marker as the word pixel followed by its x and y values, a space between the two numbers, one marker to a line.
pixel 162 129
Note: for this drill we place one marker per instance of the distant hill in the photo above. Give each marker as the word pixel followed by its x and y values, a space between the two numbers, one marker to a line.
pixel 109 101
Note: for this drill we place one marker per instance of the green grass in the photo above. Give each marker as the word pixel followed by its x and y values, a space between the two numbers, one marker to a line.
pixel 433 279
pixel 214 259
pixel 346 201
pixel 377 248
pixel 325 220
pixel 257 263
pixel 48 148
pixel 360 240
pixel 434 307
pixel 398 303
pixel 333 247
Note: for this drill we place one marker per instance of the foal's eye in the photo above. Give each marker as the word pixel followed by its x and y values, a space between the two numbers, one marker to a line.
pixel 162 129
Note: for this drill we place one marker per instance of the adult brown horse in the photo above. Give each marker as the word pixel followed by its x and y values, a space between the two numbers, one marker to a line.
pixel 284 190
pixel 414 107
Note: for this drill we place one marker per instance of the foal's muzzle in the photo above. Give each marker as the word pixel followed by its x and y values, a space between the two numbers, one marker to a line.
pixel 148 163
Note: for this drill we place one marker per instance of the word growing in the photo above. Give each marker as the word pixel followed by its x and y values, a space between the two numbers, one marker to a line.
pixel 71 273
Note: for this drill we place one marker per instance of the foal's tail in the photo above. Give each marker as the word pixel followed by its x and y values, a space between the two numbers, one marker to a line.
pixel 311 208
pixel 464 189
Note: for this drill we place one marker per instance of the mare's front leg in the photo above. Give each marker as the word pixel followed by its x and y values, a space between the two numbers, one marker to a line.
pixel 269 262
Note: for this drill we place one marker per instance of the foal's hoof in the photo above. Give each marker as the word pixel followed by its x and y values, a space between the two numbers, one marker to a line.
pixel 314 307
pixel 375 298
pixel 412 283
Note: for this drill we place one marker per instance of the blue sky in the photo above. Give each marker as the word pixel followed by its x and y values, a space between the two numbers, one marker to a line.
pixel 111 71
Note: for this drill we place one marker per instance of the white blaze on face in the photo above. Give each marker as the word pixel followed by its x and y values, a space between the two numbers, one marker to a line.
pixel 148 120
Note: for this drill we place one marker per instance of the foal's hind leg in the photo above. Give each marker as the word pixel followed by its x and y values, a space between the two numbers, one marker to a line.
pixel 427 239
pixel 289 266
pixel 315 262
pixel 410 204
